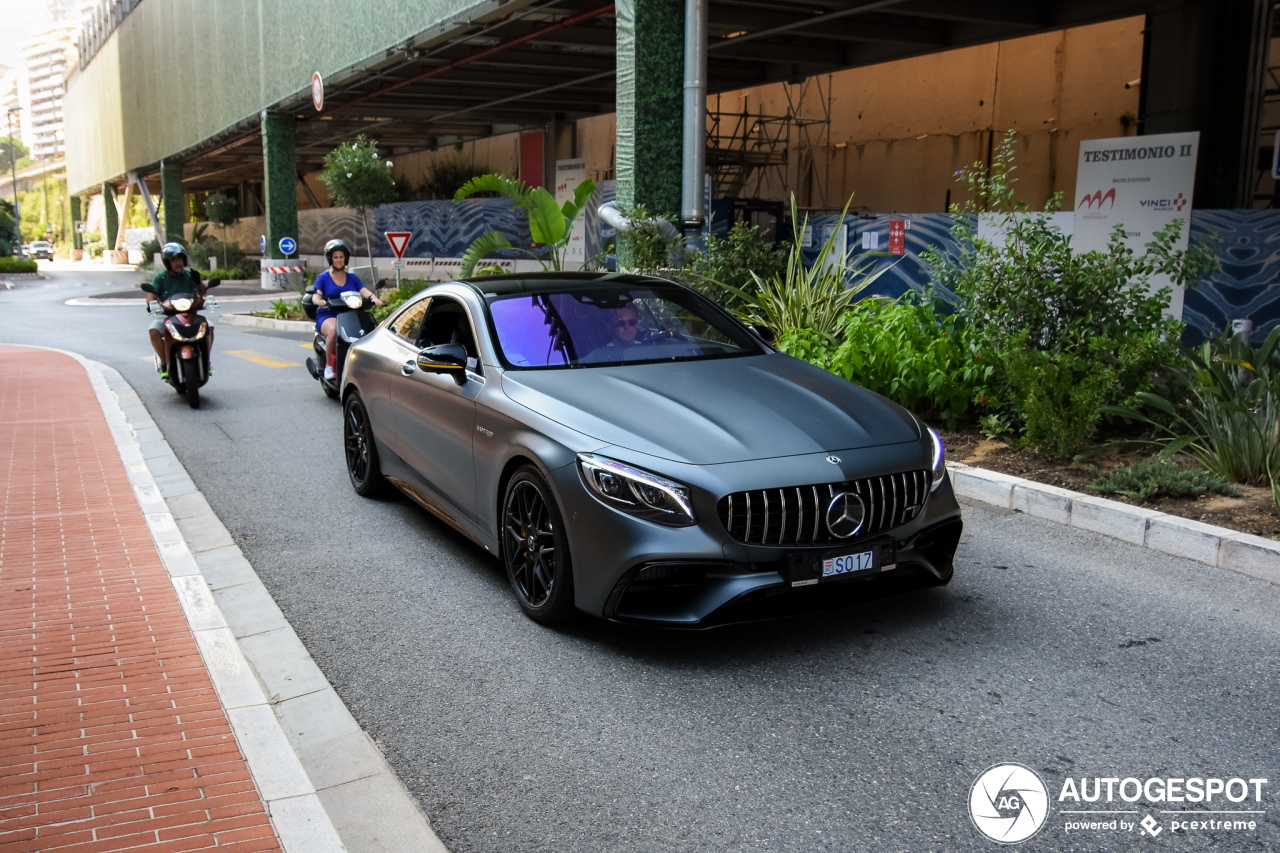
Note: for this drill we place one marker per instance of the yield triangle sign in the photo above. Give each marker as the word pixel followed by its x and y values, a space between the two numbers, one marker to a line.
pixel 399 241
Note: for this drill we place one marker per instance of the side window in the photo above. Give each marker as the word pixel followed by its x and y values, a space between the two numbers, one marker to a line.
pixel 447 322
pixel 409 323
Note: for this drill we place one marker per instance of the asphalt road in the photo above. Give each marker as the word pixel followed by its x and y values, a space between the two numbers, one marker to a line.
pixel 860 729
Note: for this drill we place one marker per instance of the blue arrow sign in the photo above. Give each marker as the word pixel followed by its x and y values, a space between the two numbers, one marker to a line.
pixel 288 246
pixel 262 244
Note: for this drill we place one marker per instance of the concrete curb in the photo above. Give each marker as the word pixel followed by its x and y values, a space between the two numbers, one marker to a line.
pixel 1219 547
pixel 327 786
pixel 252 322
pixel 136 301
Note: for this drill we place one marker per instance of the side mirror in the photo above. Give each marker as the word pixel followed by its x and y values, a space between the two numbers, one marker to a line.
pixel 146 287
pixel 213 282
pixel 382 282
pixel 766 334
pixel 445 358
pixel 311 288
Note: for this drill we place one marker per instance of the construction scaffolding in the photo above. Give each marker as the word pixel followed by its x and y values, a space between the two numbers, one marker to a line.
pixel 750 155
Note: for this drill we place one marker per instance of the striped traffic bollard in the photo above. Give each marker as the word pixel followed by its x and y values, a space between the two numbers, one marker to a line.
pixel 279 275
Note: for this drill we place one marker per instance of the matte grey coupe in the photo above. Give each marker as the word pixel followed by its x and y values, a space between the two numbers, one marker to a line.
pixel 628 449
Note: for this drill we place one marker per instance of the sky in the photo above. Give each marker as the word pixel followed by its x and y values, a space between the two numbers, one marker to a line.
pixel 19 20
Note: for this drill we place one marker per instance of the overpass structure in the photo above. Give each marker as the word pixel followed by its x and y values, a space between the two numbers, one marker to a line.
pixel 183 96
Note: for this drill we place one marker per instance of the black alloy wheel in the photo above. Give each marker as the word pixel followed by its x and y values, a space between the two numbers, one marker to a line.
pixel 535 550
pixel 362 454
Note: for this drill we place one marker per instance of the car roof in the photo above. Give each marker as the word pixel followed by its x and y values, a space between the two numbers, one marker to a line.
pixel 502 285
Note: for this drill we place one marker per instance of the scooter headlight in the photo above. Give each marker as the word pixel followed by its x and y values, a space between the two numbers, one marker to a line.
pixel 182 304
pixel 353 299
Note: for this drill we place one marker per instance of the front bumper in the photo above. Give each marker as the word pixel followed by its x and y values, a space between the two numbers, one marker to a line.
pixel 631 570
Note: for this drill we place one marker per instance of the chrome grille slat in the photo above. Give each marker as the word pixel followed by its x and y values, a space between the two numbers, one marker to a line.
pixel 890 500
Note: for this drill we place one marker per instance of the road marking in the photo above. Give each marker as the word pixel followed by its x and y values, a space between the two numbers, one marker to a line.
pixel 260 358
pixel 305 346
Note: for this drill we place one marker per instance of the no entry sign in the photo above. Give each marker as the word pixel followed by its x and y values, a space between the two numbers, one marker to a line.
pixel 399 241
pixel 317 91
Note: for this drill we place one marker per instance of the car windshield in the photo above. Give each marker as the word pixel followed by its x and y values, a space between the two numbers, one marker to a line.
pixel 600 326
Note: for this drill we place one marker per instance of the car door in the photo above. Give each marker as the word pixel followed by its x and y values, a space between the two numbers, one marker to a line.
pixel 435 417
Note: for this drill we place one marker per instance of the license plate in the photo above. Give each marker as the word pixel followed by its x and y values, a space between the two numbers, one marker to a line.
pixel 810 569
pixel 848 564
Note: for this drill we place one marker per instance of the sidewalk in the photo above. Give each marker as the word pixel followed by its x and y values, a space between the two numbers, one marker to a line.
pixel 111 734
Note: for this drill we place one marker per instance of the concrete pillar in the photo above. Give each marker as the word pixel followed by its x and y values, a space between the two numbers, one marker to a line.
pixel 280 180
pixel 650 104
pixel 175 207
pixel 1203 70
pixel 111 215
pixel 77 240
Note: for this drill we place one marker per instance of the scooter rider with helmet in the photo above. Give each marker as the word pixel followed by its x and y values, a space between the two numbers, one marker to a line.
pixel 330 285
pixel 176 278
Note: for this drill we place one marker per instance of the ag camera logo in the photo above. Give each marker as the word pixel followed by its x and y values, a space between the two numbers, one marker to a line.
pixel 1008 803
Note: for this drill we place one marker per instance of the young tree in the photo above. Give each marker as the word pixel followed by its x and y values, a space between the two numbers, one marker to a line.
pixel 356 178
pixel 221 210
pixel 12 149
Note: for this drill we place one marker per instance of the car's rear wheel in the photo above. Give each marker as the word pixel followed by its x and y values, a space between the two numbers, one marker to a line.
pixel 361 452
pixel 535 549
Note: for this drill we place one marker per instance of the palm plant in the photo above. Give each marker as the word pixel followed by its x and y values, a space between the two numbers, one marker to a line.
pixel 550 224
pixel 1225 410
pixel 800 297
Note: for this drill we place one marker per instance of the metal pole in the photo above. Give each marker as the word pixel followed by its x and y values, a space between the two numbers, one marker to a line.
pixel 693 204
pixel 13 164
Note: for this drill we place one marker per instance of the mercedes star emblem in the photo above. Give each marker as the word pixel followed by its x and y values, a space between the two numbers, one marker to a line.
pixel 845 515
pixel 834 460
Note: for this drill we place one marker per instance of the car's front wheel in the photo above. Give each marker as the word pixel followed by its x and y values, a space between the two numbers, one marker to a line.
pixel 535 549
pixel 361 452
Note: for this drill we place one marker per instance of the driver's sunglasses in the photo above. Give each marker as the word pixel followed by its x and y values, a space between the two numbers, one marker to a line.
pixel 621 324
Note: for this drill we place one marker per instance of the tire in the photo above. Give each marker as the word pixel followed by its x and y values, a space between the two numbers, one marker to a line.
pixel 193 393
pixel 330 392
pixel 535 549
pixel 360 449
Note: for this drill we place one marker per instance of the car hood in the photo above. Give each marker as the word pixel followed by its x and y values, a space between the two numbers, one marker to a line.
pixel 715 411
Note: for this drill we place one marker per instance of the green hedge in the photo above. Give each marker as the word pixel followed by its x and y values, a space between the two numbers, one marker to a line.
pixel 17 265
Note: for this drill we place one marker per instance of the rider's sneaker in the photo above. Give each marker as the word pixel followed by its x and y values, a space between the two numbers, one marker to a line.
pixel 328 372
pixel 164 374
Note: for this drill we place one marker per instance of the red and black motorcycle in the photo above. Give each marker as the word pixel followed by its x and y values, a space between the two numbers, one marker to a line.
pixel 188 339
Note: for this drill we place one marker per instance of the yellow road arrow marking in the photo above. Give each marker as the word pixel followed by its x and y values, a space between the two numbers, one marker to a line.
pixel 260 358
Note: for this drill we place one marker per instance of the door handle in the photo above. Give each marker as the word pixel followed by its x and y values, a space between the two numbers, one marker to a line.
pixel 408 367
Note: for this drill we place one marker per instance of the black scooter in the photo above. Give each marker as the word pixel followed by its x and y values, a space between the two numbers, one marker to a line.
pixel 351 310
pixel 188 339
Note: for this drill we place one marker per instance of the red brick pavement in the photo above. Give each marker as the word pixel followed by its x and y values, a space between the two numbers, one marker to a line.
pixel 111 735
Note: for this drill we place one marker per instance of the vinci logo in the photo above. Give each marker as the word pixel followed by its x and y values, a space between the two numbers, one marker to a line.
pixel 1165 203
pixel 1097 199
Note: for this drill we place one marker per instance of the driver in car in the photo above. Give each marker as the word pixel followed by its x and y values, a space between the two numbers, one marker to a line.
pixel 623 328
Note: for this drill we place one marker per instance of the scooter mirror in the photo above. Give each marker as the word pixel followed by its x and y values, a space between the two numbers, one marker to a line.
pixel 146 287
pixel 213 282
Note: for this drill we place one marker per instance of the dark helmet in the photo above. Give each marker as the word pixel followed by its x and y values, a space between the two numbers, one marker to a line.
pixel 331 247
pixel 169 251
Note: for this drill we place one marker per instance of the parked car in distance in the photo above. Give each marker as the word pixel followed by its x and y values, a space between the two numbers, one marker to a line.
pixel 38 249
pixel 628 449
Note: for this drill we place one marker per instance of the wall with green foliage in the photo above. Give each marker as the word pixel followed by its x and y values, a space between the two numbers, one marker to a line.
pixel 183 70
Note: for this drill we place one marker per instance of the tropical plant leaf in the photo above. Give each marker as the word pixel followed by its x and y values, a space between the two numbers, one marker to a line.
pixel 546 222
pixel 492 183
pixel 485 244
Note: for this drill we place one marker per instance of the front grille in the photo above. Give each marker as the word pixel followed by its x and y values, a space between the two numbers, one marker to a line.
pixel 795 515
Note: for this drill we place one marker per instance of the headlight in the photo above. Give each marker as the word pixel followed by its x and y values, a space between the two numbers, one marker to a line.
pixel 636 492
pixel 354 300
pixel 939 460
pixel 182 304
